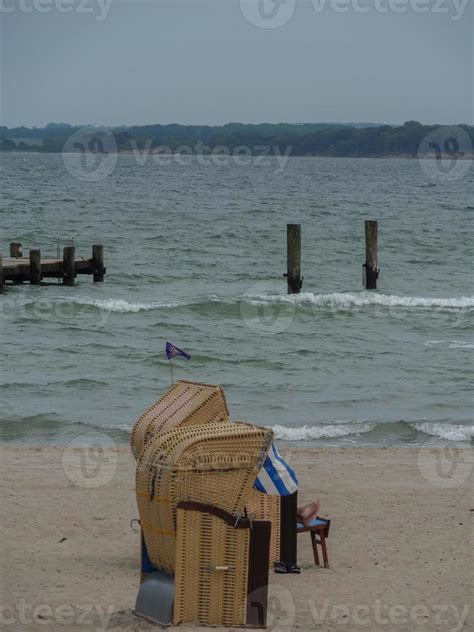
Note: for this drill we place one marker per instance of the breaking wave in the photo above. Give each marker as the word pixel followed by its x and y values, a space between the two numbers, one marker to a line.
pixel 122 306
pixel 446 431
pixel 450 432
pixel 335 300
pixel 329 431
pixel 346 300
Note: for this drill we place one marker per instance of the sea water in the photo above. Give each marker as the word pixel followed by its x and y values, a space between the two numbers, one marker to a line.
pixel 195 254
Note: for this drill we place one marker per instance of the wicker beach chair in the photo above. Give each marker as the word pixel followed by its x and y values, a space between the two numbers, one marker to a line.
pixel 189 403
pixel 185 403
pixel 192 486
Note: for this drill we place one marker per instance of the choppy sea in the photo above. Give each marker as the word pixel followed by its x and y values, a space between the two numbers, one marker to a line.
pixel 195 253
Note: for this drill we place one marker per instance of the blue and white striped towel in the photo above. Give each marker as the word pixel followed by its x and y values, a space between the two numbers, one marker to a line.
pixel 276 477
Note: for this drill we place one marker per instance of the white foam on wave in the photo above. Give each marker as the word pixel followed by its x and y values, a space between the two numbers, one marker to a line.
pixel 460 344
pixel 119 427
pixel 346 300
pixel 110 427
pixel 452 344
pixel 328 431
pixel 451 432
pixel 335 300
pixel 122 306
pixel 432 343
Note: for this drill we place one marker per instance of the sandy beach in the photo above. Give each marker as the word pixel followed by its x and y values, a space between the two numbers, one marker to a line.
pixel 400 546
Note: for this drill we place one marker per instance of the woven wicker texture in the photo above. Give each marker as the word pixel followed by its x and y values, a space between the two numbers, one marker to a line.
pixel 211 570
pixel 266 507
pixel 214 464
pixel 185 403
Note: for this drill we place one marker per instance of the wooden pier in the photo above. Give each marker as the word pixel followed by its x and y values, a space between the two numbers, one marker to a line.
pixel 33 269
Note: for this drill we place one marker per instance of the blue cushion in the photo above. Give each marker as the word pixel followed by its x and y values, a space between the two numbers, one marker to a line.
pixel 314 523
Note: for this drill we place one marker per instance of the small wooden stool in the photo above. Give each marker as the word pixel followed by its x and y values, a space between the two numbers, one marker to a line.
pixel 318 527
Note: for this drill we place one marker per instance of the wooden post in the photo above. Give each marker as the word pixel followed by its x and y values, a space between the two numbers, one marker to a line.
pixel 69 255
pixel 293 274
pixel 370 265
pixel 35 266
pixel 16 250
pixel 98 262
pixel 1 273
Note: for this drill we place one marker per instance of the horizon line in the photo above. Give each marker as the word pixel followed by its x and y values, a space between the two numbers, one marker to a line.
pixel 111 126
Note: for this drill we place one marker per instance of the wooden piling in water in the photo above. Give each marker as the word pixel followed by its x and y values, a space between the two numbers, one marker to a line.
pixel 69 253
pixel 1 273
pixel 295 281
pixel 98 262
pixel 371 272
pixel 35 266
pixel 16 249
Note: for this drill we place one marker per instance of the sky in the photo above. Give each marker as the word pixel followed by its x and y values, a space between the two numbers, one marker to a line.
pixel 123 62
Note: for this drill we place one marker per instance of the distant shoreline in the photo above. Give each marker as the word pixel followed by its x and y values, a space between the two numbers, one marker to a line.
pixel 325 140
pixel 129 152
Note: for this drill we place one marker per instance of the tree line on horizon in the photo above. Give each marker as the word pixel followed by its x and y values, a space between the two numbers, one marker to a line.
pixel 307 139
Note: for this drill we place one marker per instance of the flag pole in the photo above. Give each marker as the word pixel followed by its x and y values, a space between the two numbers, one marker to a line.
pixel 171 370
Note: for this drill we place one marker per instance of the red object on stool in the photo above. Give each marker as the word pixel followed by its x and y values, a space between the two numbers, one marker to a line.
pixel 318 527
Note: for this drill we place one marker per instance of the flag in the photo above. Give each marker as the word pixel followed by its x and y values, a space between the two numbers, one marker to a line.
pixel 172 351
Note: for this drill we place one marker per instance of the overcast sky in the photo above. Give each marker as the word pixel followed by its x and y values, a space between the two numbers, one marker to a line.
pixel 155 61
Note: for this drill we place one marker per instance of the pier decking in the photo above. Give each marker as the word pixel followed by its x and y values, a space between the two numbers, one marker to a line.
pixel 34 269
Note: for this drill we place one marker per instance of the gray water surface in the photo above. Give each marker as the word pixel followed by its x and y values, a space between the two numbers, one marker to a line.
pixel 195 255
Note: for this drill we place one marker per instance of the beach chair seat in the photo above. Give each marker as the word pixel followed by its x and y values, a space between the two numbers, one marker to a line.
pixel 192 485
pixel 185 403
pixel 319 532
